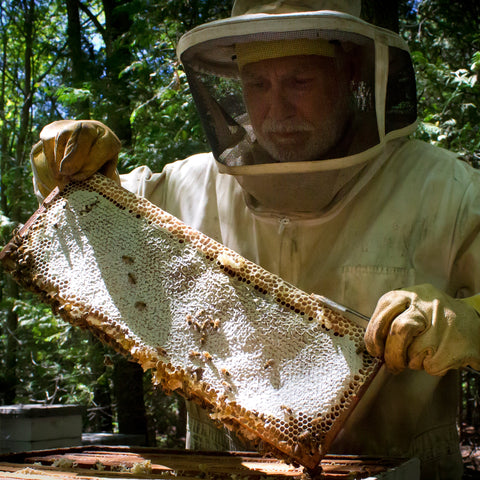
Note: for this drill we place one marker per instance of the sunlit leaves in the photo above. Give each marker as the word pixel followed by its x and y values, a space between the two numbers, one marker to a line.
pixel 445 48
pixel 51 356
pixel 70 95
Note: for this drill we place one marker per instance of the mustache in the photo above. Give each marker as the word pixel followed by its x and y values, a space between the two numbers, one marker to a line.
pixel 286 126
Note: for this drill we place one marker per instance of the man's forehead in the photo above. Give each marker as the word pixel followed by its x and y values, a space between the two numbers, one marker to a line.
pixel 294 63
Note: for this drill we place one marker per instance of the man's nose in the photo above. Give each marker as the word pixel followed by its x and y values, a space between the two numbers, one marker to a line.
pixel 281 106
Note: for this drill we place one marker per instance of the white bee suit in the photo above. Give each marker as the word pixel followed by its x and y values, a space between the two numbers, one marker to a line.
pixel 412 216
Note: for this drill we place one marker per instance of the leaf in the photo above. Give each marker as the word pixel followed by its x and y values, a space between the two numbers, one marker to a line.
pixel 70 95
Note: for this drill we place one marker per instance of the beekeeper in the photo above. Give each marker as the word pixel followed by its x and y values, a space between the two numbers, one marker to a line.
pixel 307 109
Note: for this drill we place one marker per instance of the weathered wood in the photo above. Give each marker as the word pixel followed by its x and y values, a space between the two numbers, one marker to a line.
pixel 177 465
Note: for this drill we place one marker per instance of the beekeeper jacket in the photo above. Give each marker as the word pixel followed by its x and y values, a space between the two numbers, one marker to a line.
pixel 412 217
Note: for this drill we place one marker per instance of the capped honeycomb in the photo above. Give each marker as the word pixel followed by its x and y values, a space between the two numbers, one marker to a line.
pixel 265 359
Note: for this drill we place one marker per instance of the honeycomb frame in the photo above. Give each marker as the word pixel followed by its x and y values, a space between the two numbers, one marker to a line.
pixel 265 359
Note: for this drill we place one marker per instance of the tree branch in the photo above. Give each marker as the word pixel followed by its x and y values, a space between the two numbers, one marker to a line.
pixel 94 19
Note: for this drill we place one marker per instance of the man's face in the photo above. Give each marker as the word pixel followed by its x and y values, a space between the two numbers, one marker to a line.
pixel 298 105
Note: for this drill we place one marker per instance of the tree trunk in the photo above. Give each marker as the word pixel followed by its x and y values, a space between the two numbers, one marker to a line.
pixel 24 128
pixel 383 13
pixel 12 208
pixel 79 72
pixel 128 387
pixel 3 131
pixel 117 25
pixel 101 415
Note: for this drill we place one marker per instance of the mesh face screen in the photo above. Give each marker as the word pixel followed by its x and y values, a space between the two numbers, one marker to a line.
pixel 401 98
pixel 226 112
pixel 264 358
pixel 213 74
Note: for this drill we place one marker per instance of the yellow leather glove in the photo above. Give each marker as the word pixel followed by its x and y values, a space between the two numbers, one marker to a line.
pixel 73 150
pixel 423 328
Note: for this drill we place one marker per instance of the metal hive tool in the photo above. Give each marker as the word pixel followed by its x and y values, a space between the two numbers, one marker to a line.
pixel 267 360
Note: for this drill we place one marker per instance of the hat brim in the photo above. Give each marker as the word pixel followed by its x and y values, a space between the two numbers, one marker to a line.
pixel 210 48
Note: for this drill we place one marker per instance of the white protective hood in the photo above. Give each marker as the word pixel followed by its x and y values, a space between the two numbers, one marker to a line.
pixel 383 91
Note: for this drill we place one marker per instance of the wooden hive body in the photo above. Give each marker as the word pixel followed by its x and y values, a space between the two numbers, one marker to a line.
pixel 265 359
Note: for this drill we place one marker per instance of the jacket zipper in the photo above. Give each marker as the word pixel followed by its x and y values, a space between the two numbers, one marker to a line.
pixel 287 261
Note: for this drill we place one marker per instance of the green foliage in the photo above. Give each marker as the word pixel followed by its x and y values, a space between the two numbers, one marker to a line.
pixel 51 356
pixel 165 123
pixel 163 415
pixel 166 126
pixel 69 96
pixel 445 45
pixel 54 367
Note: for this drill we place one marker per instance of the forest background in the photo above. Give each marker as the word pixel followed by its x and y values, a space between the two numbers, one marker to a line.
pixel 114 61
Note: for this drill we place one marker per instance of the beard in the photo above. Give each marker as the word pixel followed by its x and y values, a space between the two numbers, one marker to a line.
pixel 295 140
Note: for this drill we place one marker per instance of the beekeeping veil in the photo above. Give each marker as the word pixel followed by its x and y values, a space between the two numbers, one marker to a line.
pixel 382 101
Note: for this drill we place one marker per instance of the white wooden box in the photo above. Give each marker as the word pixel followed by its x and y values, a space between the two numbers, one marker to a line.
pixel 37 427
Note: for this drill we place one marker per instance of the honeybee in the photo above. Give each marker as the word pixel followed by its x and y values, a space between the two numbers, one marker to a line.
pixel 132 279
pixel 360 349
pixel 198 374
pixel 226 386
pixel 128 260
pixel 286 409
pixel 161 351
pixel 88 208
pixel 268 363
pixel 194 354
pixel 207 357
pixel 317 421
pixel 225 372
pixel 305 437
pixel 140 306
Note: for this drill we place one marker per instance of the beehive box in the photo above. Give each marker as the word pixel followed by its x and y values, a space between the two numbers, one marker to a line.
pixel 32 427
pixel 99 462
pixel 267 360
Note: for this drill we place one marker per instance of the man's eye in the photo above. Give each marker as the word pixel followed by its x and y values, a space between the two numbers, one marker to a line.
pixel 303 81
pixel 256 84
